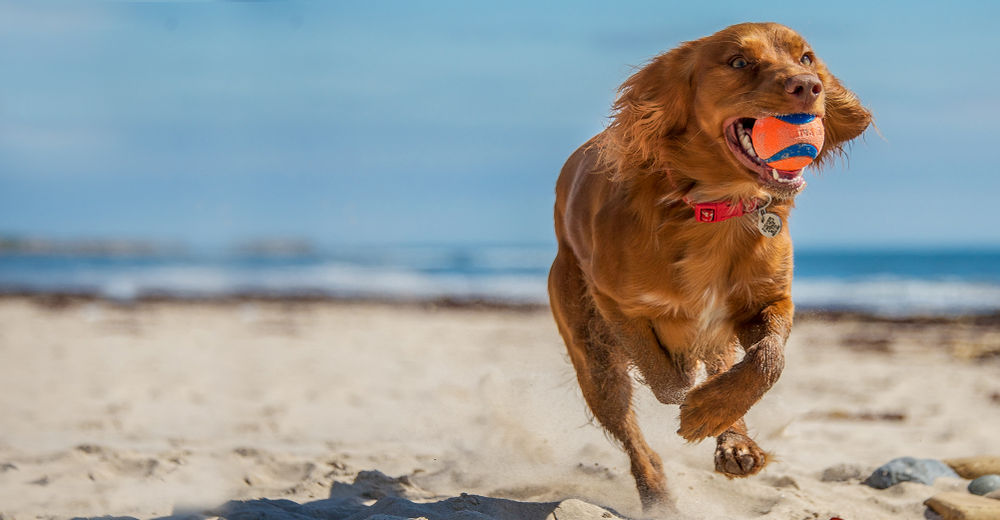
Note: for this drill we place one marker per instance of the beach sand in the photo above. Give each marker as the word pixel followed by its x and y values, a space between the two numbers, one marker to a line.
pixel 175 408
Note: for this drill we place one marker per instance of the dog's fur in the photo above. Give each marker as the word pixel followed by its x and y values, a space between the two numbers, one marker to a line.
pixel 638 282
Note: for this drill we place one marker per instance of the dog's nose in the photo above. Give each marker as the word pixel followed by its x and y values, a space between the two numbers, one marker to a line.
pixel 804 87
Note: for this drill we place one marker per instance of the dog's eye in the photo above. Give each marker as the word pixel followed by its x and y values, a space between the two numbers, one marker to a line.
pixel 738 62
pixel 806 59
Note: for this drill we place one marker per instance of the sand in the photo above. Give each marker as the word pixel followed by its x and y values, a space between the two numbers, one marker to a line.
pixel 177 408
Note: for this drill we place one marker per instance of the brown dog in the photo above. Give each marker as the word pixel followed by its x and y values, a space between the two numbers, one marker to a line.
pixel 641 281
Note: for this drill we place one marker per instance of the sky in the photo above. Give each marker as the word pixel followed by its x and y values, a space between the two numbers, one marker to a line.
pixel 447 122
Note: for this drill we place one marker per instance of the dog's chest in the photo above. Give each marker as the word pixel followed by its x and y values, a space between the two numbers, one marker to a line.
pixel 690 288
pixel 694 301
pixel 702 309
pixel 693 326
pixel 713 308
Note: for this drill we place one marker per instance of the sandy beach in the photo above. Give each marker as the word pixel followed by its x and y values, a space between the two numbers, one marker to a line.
pixel 175 408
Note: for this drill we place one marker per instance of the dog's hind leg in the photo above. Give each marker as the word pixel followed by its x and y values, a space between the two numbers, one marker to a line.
pixel 602 371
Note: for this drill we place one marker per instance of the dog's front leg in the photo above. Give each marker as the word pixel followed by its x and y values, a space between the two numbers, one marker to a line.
pixel 722 400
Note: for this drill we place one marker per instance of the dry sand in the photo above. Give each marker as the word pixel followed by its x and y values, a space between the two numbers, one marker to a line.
pixel 175 408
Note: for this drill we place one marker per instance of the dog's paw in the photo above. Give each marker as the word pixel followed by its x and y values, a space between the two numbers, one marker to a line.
pixel 737 455
pixel 707 413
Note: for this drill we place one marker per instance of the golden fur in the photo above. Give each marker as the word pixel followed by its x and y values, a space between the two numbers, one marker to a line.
pixel 638 282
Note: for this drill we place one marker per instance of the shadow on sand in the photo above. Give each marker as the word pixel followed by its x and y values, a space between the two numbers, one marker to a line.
pixel 395 500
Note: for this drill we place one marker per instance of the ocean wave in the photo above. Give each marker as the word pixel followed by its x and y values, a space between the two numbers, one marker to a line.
pixel 505 274
pixel 332 279
pixel 894 296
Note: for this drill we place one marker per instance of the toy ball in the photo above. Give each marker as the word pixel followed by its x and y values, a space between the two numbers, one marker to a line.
pixel 788 142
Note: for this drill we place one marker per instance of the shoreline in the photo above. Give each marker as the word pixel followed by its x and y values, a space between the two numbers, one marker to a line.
pixel 59 299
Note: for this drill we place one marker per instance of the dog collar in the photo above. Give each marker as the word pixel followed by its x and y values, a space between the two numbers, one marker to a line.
pixel 721 210
pixel 769 224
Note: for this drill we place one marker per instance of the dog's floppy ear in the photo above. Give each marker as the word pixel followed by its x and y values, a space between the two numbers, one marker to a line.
pixel 653 104
pixel 845 117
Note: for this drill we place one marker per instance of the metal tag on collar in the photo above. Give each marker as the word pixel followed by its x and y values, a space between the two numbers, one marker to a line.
pixel 768 223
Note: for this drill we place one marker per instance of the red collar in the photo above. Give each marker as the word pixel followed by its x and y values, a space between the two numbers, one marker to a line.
pixel 721 210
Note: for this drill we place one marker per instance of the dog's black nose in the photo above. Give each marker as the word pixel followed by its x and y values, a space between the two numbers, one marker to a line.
pixel 804 87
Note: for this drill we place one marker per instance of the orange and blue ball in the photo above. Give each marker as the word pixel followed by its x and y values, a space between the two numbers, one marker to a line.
pixel 788 142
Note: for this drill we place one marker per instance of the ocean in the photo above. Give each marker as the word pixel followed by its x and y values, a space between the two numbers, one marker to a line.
pixel 891 283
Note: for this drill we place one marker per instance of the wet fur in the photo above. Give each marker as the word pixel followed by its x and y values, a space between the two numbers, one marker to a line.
pixel 637 282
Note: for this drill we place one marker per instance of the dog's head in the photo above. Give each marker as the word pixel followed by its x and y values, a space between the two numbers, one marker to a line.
pixel 684 112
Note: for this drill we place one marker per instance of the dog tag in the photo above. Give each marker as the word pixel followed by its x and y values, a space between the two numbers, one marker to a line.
pixel 769 224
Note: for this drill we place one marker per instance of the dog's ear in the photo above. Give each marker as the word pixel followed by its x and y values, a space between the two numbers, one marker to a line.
pixel 845 117
pixel 653 104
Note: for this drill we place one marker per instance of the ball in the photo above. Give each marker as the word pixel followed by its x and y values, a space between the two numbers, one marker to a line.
pixel 788 142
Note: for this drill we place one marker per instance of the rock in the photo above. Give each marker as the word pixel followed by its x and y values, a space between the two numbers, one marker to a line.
pixel 842 473
pixel 908 469
pixel 975 467
pixel 984 484
pixel 961 506
pixel 578 509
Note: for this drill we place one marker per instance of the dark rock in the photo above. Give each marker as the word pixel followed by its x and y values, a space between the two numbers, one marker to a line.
pixel 909 469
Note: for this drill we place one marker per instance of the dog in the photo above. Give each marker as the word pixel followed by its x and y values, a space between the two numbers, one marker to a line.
pixel 642 281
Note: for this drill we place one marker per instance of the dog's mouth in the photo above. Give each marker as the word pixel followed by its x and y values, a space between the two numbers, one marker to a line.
pixel 780 182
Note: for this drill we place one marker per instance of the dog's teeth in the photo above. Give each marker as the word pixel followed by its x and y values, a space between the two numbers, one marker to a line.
pixel 774 173
pixel 747 145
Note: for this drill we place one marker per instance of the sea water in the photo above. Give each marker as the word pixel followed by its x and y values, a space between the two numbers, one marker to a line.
pixel 896 282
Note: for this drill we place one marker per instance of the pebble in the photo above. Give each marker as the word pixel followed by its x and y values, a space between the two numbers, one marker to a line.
pixel 784 482
pixel 984 484
pixel 962 506
pixel 910 469
pixel 974 467
pixel 843 473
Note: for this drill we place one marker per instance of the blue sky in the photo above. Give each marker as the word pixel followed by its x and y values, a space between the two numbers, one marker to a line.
pixel 446 122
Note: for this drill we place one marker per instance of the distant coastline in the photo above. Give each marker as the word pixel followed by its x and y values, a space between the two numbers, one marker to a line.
pixel 890 283
pixel 65 300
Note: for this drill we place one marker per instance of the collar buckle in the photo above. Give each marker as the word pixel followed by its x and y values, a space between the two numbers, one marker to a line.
pixel 721 210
